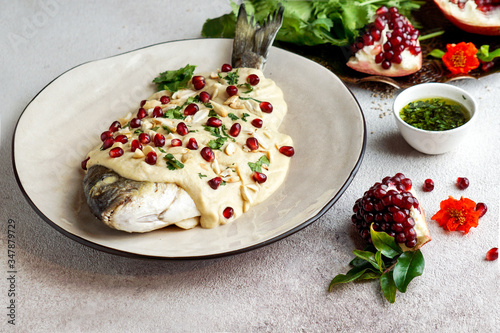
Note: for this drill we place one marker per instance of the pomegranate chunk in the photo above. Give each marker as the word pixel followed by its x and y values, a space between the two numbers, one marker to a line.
pixel 214 122
pixel 482 208
pixel 192 144
pixel 191 109
pixel 253 79
pixel 135 123
pixel 428 185
pixel 144 138
pixel 232 90
pixel 157 112
pixel 226 68
pixel 235 130
pixel 492 254
pixel 287 151
pixel 142 113
pixel 135 145
pixel 164 99
pixel 215 182
pixel 257 123
pixel 266 107
pixel 228 212
pixel 106 135
pixel 115 152
pixel 84 163
pixel 151 158
pixel 115 126
pixel 207 154
pixel 182 128
pixel 259 177
pixel 121 138
pixel 204 97
pixel 107 143
pixel 159 140
pixel 198 82
pixel 252 143
pixel 175 143
pixel 462 183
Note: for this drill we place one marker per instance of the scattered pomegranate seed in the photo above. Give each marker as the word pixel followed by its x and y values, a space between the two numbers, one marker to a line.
pixel 115 126
pixel 164 99
pixel 159 140
pixel 121 138
pixel 226 68
pixel 135 123
pixel 192 144
pixel 175 143
pixel 462 183
pixel 142 113
pixel 266 107
pixel 144 138
pixel 252 143
pixel 228 212
pixel 182 128
pixel 116 152
pixel 482 208
pixel 107 143
pixel 215 182
pixel 135 144
pixel 204 97
pixel 214 122
pixel 143 102
pixel 257 122
pixel 235 130
pixel 198 82
pixel 232 90
pixel 207 154
pixel 259 177
pixel 84 163
pixel 151 158
pixel 106 135
pixel 157 112
pixel 428 185
pixel 253 79
pixel 191 109
pixel 492 254
pixel 287 151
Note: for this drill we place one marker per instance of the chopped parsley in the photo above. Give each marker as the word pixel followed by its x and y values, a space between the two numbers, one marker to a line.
pixel 248 86
pixel 174 80
pixel 244 116
pixel 167 129
pixel 231 77
pixel 217 143
pixel 138 131
pixel 253 99
pixel 172 162
pixel 162 150
pixel 257 166
pixel 233 116
pixel 201 175
pixel 155 128
pixel 212 113
pixel 175 113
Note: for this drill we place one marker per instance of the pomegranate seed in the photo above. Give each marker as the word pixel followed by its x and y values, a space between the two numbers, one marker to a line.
pixel 143 102
pixel 144 138
pixel 116 152
pixel 207 154
pixel 379 57
pixel 367 39
pixel 235 130
pixel 382 10
pixel 159 140
pixel 411 243
pixel 192 144
pixel 376 34
pixel 121 138
pixel 182 128
pixel 253 79
pixel 259 177
pixel 482 208
pixel 386 64
pixel 106 135
pixel 428 185
pixel 175 143
pixel 84 163
pixel 266 107
pixel 397 59
pixel 393 10
pixel 115 126
pixel 379 24
pixel 191 109
pixel 135 145
pixel 492 254
pixel 215 182
pixel 164 99
pixel 151 158
pixel 214 122
pixel 228 212
pixel 198 82
pixel 135 123
pixel 462 183
pixel 142 113
pixel 226 68
pixel 389 54
pixel 387 46
pixel 204 97
pixel 252 143
pixel 232 90
pixel 257 122
pixel 157 112
pixel 107 143
pixel 287 151
pixel 406 182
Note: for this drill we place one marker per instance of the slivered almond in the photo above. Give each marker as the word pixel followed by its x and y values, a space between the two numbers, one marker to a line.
pixel 186 157
pixel 246 206
pixel 220 109
pixel 188 119
pixel 215 166
pixel 178 150
pixel 230 149
pixel 123 121
pixel 261 140
pixel 214 75
pixel 233 179
pixel 253 107
pixel 200 115
pixel 147 149
pixel 245 194
pixel 231 99
pixel 151 104
pixel 138 154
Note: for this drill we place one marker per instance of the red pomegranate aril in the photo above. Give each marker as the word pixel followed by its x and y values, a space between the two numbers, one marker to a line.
pixel 182 128
pixel 287 151
pixel 367 39
pixel 135 144
pixel 376 34
pixel 428 185
pixel 379 24
pixel 226 68
pixel 135 123
pixel 142 113
pixel 257 123
pixel 176 143
pixel 266 107
pixel 259 177
pixel 379 57
pixel 207 154
pixel 252 143
pixel 397 59
pixel 462 183
pixel 159 140
pixel 151 158
pixel 387 46
pixel 399 217
pixel 481 208
pixel 411 243
pixel 144 138
pixel 116 152
pixel 191 109
pixel 235 130
pixel 204 97
pixel 214 122
pixel 142 103
pixel 386 64
pixel 492 254
pixel 115 126
pixel 107 143
pixel 106 135
pixel 84 163
pixel 382 10
pixel 198 82
pixel 228 212
pixel 253 79
pixel 157 112
pixel 408 223
pixel 232 90
pixel 164 99
pixel 121 138
pixel 389 54
pixel 214 183
pixel 406 182
pixel 192 144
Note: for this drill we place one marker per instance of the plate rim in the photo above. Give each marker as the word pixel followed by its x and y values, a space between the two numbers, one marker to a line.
pixel 132 255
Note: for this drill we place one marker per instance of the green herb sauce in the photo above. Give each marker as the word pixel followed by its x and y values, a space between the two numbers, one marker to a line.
pixel 435 114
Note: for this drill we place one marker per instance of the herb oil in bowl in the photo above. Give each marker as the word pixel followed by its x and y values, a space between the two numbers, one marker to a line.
pixel 435 114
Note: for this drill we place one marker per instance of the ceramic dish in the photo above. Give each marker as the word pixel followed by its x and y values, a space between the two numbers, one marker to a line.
pixel 66 117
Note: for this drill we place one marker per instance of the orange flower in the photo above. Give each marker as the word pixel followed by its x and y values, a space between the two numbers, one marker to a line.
pixel 457 214
pixel 461 57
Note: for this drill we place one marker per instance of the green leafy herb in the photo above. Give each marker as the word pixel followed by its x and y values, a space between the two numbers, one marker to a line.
pixel 175 113
pixel 231 77
pixel 138 131
pixel 244 116
pixel 174 80
pixel 167 129
pixel 233 116
pixel 253 99
pixel 485 55
pixel 217 143
pixel 162 150
pixel 248 86
pixel 386 261
pixel 201 175
pixel 215 131
pixel 155 128
pixel 257 166
pixel 172 162
pixel 212 113
pixel 434 114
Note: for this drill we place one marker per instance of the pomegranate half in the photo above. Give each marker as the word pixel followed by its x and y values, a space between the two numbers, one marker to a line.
pixel 474 16
pixel 388 46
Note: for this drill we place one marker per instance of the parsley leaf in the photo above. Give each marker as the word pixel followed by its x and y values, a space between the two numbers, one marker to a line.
pixel 231 77
pixel 217 143
pixel 201 175
pixel 172 162
pixel 244 116
pixel 174 80
pixel 233 116
pixel 257 166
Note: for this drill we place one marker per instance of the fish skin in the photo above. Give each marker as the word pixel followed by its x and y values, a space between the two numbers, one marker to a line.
pixel 252 41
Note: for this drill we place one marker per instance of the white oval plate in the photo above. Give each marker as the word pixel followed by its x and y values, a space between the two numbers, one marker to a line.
pixel 63 122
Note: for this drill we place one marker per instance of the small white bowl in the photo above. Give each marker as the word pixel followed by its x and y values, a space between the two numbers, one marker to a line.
pixel 434 142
